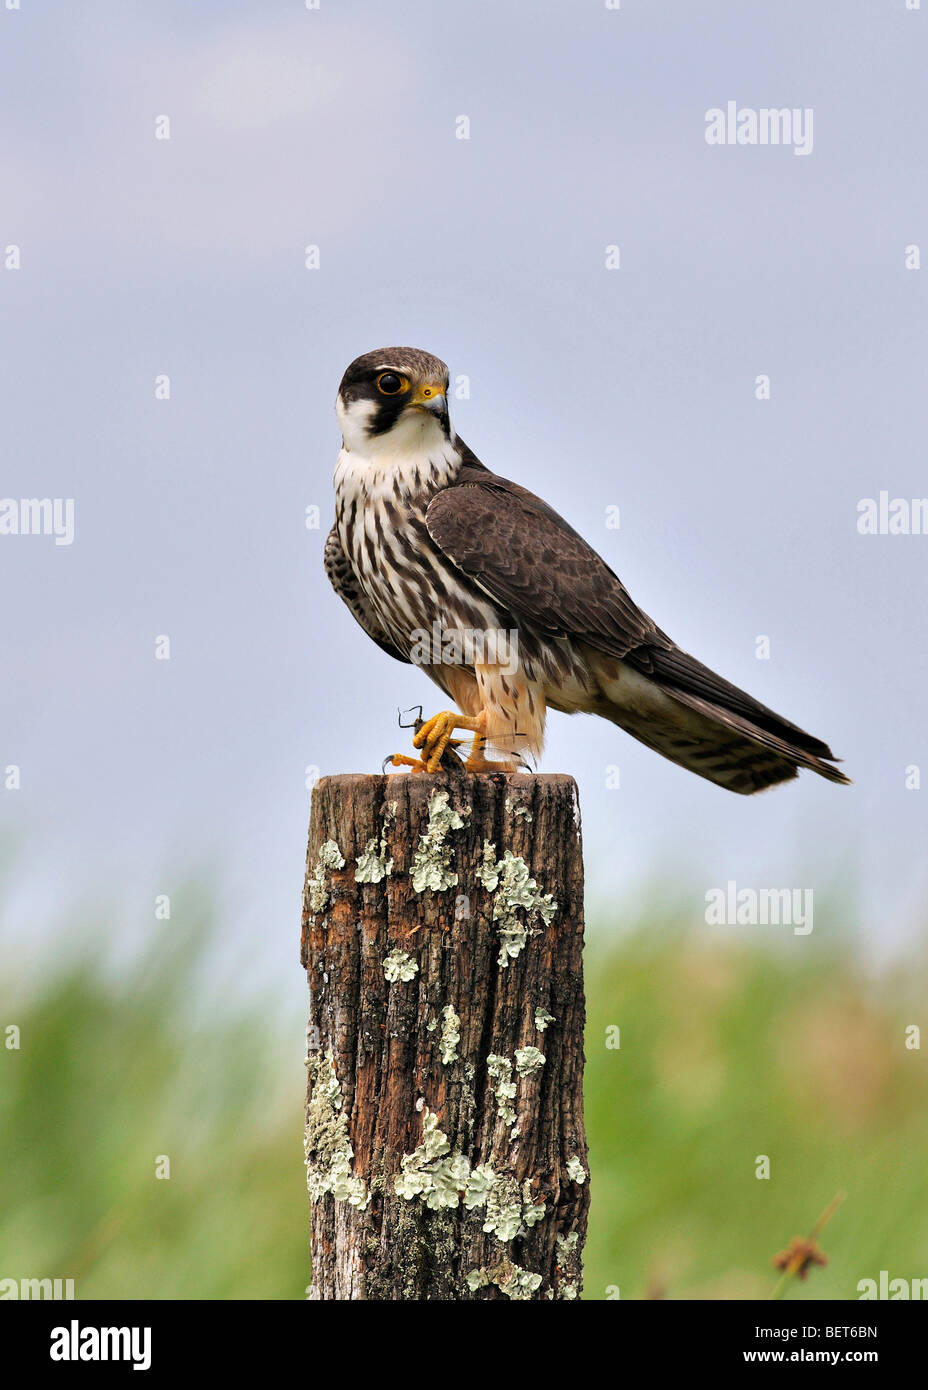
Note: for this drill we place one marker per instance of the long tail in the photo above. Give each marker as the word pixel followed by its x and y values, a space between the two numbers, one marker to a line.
pixel 683 710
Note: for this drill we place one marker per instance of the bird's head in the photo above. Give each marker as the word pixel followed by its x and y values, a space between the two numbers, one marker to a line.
pixel 394 400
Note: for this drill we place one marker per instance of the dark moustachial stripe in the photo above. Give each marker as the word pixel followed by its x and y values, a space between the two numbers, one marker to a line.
pixel 389 410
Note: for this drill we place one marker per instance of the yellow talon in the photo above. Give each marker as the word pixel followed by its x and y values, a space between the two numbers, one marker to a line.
pixel 401 760
pixel 478 763
pixel 433 736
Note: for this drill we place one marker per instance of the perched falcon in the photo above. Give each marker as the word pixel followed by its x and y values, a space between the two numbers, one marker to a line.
pixel 507 608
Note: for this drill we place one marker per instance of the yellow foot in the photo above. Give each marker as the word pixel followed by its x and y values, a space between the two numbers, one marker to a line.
pixel 478 763
pixel 434 736
pixel 400 760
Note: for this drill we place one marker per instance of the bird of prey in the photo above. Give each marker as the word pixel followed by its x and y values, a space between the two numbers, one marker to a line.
pixel 509 611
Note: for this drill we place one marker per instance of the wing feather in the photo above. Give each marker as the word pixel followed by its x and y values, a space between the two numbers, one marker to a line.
pixel 531 561
pixel 528 558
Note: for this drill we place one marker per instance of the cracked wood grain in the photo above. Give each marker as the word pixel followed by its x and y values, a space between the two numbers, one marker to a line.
pixel 515 1228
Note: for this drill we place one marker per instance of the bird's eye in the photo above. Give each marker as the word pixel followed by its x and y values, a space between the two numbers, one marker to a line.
pixel 389 384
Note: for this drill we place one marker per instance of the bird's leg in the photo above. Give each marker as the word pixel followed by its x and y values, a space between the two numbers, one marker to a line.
pixel 434 736
pixel 447 758
pixel 417 764
pixel 476 761
pixel 401 760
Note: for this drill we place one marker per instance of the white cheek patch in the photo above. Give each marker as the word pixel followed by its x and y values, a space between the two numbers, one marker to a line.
pixel 354 421
pixel 414 435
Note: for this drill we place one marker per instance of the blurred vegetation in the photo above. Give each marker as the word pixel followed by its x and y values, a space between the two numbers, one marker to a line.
pixel 787 1048
pixel 728 1051
pixel 117 1069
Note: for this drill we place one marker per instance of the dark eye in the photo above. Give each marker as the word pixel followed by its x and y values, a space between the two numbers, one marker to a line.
pixel 389 384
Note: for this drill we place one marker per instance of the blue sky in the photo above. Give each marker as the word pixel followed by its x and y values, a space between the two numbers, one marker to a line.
pixel 632 388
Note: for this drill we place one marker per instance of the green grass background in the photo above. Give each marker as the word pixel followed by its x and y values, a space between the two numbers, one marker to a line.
pixel 730 1048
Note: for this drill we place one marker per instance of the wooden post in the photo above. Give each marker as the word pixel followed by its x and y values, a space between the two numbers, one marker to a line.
pixel 442 938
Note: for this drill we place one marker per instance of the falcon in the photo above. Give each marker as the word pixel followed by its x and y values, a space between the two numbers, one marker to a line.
pixel 510 612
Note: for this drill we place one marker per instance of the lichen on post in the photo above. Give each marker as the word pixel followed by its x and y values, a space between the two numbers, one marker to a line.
pixel 442 939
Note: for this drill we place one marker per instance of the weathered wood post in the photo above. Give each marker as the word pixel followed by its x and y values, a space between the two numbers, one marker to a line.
pixel 442 938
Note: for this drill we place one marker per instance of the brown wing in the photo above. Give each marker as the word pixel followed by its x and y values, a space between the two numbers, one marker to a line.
pixel 525 556
pixel 517 548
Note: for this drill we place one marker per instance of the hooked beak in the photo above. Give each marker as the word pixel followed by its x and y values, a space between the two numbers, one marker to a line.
pixel 431 397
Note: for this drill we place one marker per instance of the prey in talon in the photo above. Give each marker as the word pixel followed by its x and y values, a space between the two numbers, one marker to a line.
pixel 447 759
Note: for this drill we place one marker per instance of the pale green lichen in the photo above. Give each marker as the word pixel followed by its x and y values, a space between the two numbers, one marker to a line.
pixel 326 1146
pixel 543 1018
pixel 518 810
pixel 515 891
pixel 504 1209
pixel 529 1060
pixel 509 1278
pixel 431 865
pixel 519 1283
pixel 398 965
pixel 450 1035
pixel 568 1263
pixel 330 857
pixel 532 1211
pixel 373 864
pixel 487 869
pixel 508 1212
pixel 500 1069
pixel 432 1172
pixel 575 1170
pixel 478 1186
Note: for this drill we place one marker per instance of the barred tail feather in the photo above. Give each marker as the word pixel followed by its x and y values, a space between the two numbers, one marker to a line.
pixel 745 748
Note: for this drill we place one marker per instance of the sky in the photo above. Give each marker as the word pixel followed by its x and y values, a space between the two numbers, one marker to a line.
pixel 744 271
